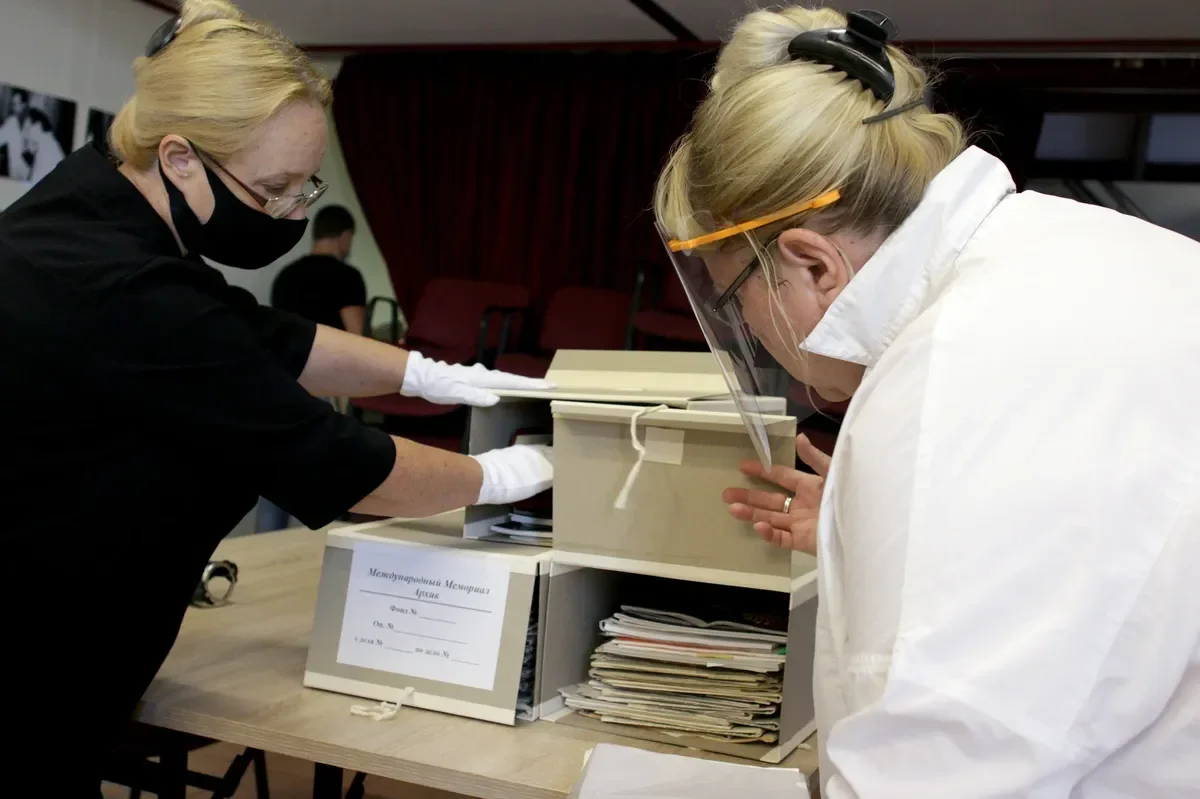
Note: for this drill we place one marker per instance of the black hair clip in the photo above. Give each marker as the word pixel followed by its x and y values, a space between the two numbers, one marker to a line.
pixel 165 34
pixel 897 111
pixel 858 50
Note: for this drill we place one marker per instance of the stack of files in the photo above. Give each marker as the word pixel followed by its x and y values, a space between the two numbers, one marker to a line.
pixel 529 663
pixel 679 674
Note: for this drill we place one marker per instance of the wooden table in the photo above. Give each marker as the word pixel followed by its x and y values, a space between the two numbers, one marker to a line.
pixel 236 674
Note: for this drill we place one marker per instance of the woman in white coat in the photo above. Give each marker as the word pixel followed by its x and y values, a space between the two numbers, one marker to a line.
pixel 1009 533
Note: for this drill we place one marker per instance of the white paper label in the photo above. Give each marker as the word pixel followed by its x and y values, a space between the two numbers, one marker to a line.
pixel 664 445
pixel 425 612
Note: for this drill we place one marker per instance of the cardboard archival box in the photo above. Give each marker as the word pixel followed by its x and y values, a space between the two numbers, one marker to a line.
pixel 673 513
pixel 627 377
pixel 581 597
pixel 407 604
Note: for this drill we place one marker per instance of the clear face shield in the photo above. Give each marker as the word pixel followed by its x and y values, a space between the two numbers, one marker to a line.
pixel 734 295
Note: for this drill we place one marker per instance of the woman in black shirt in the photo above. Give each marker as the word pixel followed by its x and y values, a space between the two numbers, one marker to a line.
pixel 147 404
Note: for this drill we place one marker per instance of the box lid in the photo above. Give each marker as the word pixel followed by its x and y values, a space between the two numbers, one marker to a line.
pixel 683 419
pixel 631 376
pixel 443 531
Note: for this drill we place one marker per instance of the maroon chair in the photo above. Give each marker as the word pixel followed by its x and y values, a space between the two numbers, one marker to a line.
pixel 577 318
pixel 394 328
pixel 457 321
pixel 671 318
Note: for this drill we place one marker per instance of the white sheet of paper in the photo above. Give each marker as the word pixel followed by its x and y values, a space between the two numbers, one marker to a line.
pixel 424 612
pixel 621 771
pixel 664 445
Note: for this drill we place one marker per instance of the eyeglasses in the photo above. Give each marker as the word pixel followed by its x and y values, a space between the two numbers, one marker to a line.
pixel 731 292
pixel 675 245
pixel 275 207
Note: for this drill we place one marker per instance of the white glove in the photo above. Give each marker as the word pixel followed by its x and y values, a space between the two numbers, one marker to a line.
pixel 451 384
pixel 515 473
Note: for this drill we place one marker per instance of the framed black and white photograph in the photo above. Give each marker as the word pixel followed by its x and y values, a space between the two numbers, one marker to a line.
pixel 36 132
pixel 98 123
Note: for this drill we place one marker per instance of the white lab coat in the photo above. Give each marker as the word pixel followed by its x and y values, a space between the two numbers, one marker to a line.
pixel 1009 544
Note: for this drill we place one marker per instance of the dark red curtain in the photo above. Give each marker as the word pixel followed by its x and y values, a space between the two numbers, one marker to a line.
pixel 533 168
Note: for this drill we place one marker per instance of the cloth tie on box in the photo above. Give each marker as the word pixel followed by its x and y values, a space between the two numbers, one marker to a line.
pixel 623 497
pixel 384 711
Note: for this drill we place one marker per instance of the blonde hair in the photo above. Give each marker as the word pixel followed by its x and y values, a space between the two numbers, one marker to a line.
pixel 774 131
pixel 220 78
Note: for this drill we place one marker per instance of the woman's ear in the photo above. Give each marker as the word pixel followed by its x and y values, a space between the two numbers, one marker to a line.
pixel 177 157
pixel 815 260
pixel 181 166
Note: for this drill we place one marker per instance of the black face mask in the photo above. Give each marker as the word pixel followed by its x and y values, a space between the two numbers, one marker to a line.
pixel 236 234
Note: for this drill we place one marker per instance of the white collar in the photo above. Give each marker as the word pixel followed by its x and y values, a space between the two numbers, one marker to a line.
pixel 894 285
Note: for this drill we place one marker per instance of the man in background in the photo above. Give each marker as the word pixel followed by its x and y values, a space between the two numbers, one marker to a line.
pixel 322 287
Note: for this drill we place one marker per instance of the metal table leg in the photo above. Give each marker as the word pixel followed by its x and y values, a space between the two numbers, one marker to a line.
pixel 173 769
pixel 262 791
pixel 357 786
pixel 327 782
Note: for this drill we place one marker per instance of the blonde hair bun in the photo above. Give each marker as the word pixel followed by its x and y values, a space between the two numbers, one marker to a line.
pixel 760 41
pixel 774 131
pixel 193 12
pixel 219 78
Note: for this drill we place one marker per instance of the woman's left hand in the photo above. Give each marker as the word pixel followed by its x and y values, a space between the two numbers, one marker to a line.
pixel 795 528
pixel 453 384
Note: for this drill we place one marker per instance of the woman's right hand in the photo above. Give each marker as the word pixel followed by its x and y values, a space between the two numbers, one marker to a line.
pixel 796 529
pixel 515 473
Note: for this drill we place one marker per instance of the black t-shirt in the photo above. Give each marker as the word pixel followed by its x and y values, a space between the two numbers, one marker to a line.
pixel 144 406
pixel 317 288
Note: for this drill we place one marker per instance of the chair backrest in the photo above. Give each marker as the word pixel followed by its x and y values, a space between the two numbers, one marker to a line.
pixel 674 298
pixel 582 318
pixel 395 326
pixel 657 288
pixel 449 312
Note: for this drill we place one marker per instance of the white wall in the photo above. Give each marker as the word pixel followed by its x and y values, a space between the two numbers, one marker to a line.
pixel 79 50
pixel 82 50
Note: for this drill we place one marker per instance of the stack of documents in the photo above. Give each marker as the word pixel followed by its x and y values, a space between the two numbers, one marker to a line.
pixel 673 672
pixel 529 663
